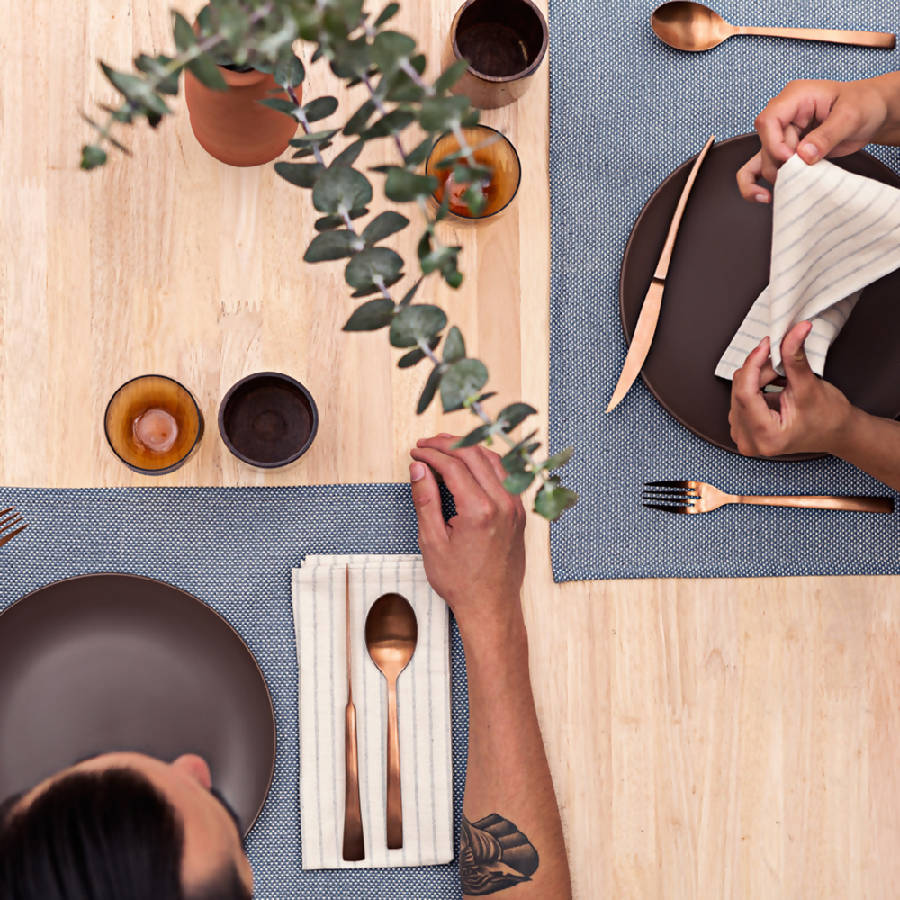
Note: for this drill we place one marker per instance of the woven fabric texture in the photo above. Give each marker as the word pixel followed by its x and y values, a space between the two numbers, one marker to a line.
pixel 625 110
pixel 234 548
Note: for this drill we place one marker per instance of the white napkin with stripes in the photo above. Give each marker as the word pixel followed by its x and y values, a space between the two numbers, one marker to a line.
pixel 423 708
pixel 833 232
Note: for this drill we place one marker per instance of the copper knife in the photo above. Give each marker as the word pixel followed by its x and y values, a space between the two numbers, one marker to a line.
pixel 646 323
pixel 354 842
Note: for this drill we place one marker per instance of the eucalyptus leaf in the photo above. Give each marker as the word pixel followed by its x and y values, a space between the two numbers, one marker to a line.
pixel 419 153
pixel 358 121
pixel 279 104
pixel 430 389
pixel 462 382
pixel 395 121
pixel 402 185
pixel 514 414
pixel 419 322
pixel 475 199
pixel 326 223
pixel 450 76
pixel 370 316
pixel 476 436
pixel 408 296
pixel 552 500
pixel 182 32
pixel 371 265
pixel 332 245
pixel 349 154
pixel 301 174
pixel 341 187
pixel 518 482
pixel 320 108
pixel 312 137
pixel 389 48
pixel 288 71
pixel 454 346
pixel 388 12
pixel 92 156
pixel 442 113
pixel 417 355
pixel 558 460
pixel 206 71
pixel 384 225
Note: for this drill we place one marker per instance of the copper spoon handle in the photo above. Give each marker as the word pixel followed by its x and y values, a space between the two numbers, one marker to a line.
pixel 354 842
pixel 394 806
pixel 881 39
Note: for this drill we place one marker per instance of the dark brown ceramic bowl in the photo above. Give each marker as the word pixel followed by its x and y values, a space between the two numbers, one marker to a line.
pixel 268 420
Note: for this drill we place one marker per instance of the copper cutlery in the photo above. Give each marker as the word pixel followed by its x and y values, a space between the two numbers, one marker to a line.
pixel 699 497
pixel 649 315
pixel 9 519
pixel 354 839
pixel 392 633
pixel 693 26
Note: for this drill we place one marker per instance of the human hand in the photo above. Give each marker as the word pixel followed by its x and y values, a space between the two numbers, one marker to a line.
pixel 809 415
pixel 476 561
pixel 816 119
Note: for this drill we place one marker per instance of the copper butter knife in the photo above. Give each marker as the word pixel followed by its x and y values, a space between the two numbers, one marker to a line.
pixel 646 323
pixel 354 843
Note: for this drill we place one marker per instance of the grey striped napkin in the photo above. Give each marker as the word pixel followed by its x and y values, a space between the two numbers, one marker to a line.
pixel 833 232
pixel 423 705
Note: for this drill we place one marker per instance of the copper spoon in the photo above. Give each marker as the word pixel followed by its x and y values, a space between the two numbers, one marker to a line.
pixel 391 636
pixel 693 26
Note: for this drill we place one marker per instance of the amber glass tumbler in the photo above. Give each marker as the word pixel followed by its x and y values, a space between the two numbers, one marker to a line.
pixel 153 424
pixel 491 149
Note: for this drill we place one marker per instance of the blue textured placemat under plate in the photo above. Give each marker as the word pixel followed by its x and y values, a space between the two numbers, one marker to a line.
pixel 625 110
pixel 234 549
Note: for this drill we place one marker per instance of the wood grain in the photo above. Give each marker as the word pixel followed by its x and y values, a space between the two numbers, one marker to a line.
pixel 707 738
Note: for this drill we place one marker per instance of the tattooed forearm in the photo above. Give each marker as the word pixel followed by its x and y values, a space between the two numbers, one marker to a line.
pixel 493 855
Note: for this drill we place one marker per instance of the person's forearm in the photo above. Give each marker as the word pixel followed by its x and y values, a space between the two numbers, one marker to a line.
pixel 871 444
pixel 512 835
pixel 889 85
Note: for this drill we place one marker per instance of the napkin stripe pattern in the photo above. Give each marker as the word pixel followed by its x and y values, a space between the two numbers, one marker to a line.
pixel 423 698
pixel 833 233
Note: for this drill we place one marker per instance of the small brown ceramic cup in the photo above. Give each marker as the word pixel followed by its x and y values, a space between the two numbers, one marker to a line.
pixel 504 42
pixel 491 149
pixel 268 420
pixel 153 424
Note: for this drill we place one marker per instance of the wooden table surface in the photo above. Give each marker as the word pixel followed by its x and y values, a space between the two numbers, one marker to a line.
pixel 707 738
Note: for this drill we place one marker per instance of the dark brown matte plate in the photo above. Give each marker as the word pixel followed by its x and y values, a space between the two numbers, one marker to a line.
pixel 719 266
pixel 120 662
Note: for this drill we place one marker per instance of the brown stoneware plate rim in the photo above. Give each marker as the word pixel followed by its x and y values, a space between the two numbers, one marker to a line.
pixel 178 463
pixel 632 238
pixel 515 193
pixel 529 70
pixel 206 608
pixel 287 379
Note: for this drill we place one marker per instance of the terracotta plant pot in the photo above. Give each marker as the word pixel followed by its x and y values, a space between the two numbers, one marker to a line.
pixel 231 125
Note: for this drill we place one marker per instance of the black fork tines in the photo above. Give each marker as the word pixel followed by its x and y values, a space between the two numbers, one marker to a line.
pixel 666 508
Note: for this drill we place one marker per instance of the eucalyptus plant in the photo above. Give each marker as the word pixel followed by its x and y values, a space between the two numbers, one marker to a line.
pixel 260 34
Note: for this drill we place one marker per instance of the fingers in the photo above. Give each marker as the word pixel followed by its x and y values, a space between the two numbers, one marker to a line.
pixel 793 353
pixel 748 406
pixel 427 501
pixel 748 180
pixel 484 466
pixel 843 123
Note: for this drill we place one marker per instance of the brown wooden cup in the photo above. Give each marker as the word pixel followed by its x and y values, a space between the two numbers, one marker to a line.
pixel 504 42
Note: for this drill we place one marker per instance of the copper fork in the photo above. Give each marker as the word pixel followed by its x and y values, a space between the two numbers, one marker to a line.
pixel 8 522
pixel 699 497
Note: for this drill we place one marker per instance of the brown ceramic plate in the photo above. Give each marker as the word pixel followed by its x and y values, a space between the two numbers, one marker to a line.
pixel 719 266
pixel 120 662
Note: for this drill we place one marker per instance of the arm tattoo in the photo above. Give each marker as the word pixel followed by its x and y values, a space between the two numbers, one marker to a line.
pixel 494 855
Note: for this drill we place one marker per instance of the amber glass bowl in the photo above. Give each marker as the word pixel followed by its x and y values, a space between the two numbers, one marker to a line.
pixel 153 424
pixel 491 149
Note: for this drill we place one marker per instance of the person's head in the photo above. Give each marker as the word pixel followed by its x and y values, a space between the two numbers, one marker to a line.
pixel 123 826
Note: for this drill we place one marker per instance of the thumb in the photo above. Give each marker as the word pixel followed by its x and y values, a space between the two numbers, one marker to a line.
pixel 793 353
pixel 427 500
pixel 842 124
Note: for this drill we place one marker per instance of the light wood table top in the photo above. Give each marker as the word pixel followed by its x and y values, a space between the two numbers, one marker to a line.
pixel 707 738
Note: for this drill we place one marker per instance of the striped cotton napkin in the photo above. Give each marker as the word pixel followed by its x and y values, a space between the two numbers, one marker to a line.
pixel 833 233
pixel 423 707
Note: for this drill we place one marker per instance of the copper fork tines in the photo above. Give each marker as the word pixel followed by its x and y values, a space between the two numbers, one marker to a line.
pixel 8 525
pixel 700 497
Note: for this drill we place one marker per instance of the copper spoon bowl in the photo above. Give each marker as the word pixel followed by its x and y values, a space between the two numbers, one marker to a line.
pixel 693 26
pixel 392 633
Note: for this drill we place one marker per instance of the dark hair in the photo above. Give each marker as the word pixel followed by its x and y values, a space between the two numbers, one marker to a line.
pixel 108 835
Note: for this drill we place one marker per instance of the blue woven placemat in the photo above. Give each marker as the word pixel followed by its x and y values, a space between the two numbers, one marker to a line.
pixel 234 549
pixel 625 110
